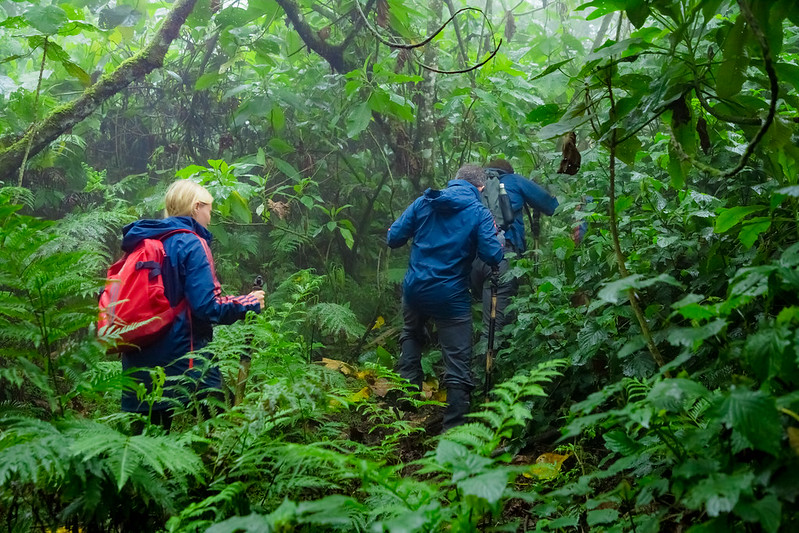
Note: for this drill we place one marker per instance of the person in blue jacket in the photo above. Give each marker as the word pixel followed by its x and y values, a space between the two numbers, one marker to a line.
pixel 447 228
pixel 188 273
pixel 521 192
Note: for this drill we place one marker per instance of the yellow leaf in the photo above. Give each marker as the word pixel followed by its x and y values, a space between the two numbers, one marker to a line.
pixel 430 388
pixel 368 375
pixel 360 396
pixel 547 466
pixel 793 439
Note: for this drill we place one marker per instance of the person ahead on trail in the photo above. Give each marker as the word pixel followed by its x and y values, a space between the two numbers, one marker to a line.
pixel 188 272
pixel 522 192
pixel 448 228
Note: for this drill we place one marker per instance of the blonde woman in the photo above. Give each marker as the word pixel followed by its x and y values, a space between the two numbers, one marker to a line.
pixel 189 275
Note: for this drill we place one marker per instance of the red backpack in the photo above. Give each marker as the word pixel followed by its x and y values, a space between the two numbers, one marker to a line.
pixel 134 309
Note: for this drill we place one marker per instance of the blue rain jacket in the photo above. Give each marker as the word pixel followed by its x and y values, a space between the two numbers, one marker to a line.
pixel 447 228
pixel 523 191
pixel 188 272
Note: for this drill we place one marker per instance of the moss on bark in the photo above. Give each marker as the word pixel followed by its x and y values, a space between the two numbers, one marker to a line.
pixel 66 116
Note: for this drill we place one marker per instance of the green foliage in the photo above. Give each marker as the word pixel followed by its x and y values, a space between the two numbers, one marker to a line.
pixel 310 155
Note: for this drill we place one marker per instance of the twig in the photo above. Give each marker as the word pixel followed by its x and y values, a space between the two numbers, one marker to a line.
pixel 35 114
pixel 748 121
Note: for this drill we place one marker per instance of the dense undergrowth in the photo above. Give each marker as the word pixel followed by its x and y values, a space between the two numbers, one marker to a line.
pixel 649 381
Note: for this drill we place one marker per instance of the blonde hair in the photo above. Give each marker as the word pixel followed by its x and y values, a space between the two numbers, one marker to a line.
pixel 182 196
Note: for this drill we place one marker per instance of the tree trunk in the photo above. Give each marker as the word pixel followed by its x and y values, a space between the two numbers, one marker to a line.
pixel 425 138
pixel 66 116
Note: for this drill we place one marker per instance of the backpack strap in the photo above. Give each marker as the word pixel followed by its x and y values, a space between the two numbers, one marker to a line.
pixel 168 234
pixel 164 237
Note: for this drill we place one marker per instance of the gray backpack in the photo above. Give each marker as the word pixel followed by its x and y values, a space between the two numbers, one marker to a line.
pixel 496 199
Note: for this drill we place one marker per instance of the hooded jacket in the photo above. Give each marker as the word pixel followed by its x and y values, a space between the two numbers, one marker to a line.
pixel 523 191
pixel 448 228
pixel 188 272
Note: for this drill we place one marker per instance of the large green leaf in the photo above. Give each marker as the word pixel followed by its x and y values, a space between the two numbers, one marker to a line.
pixel 787 72
pixel 613 292
pixel 57 53
pixel 766 513
pixel 602 516
pixel 207 80
pixel 731 74
pixel 552 68
pixel 754 415
pixel 46 19
pixel 693 337
pixel 358 119
pixel 121 15
pixel 730 217
pixel 544 114
pixel 488 486
pixel 719 493
pixel 618 441
pixel 460 460
pixel 562 127
pixel 751 229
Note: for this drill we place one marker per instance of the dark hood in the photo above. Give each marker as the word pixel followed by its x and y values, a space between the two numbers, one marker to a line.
pixel 458 195
pixel 135 232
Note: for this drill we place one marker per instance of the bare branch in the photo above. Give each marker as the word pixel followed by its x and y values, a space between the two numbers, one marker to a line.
pixel 431 37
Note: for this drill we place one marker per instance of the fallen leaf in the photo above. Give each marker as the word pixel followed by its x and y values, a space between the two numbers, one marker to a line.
pixel 368 375
pixel 793 439
pixel 334 364
pixel 547 466
pixel 429 388
pixel 360 396
pixel 381 386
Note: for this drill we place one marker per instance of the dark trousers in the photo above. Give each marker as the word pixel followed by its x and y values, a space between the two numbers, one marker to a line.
pixel 455 337
pixel 481 284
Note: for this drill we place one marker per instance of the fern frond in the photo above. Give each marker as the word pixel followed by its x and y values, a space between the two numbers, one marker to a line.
pixel 90 230
pixel 31 451
pixel 123 455
pixel 18 195
pixel 336 319
pixel 285 239
pixel 209 510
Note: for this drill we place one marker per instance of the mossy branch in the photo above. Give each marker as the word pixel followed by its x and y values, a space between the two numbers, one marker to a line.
pixel 66 116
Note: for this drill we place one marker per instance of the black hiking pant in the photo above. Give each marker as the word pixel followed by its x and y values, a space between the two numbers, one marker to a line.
pixel 455 337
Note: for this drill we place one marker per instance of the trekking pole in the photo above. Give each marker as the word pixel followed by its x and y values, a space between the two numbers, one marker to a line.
pixel 535 228
pixel 246 359
pixel 492 324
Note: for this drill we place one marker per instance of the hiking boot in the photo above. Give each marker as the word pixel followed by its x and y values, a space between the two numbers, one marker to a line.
pixel 458 405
